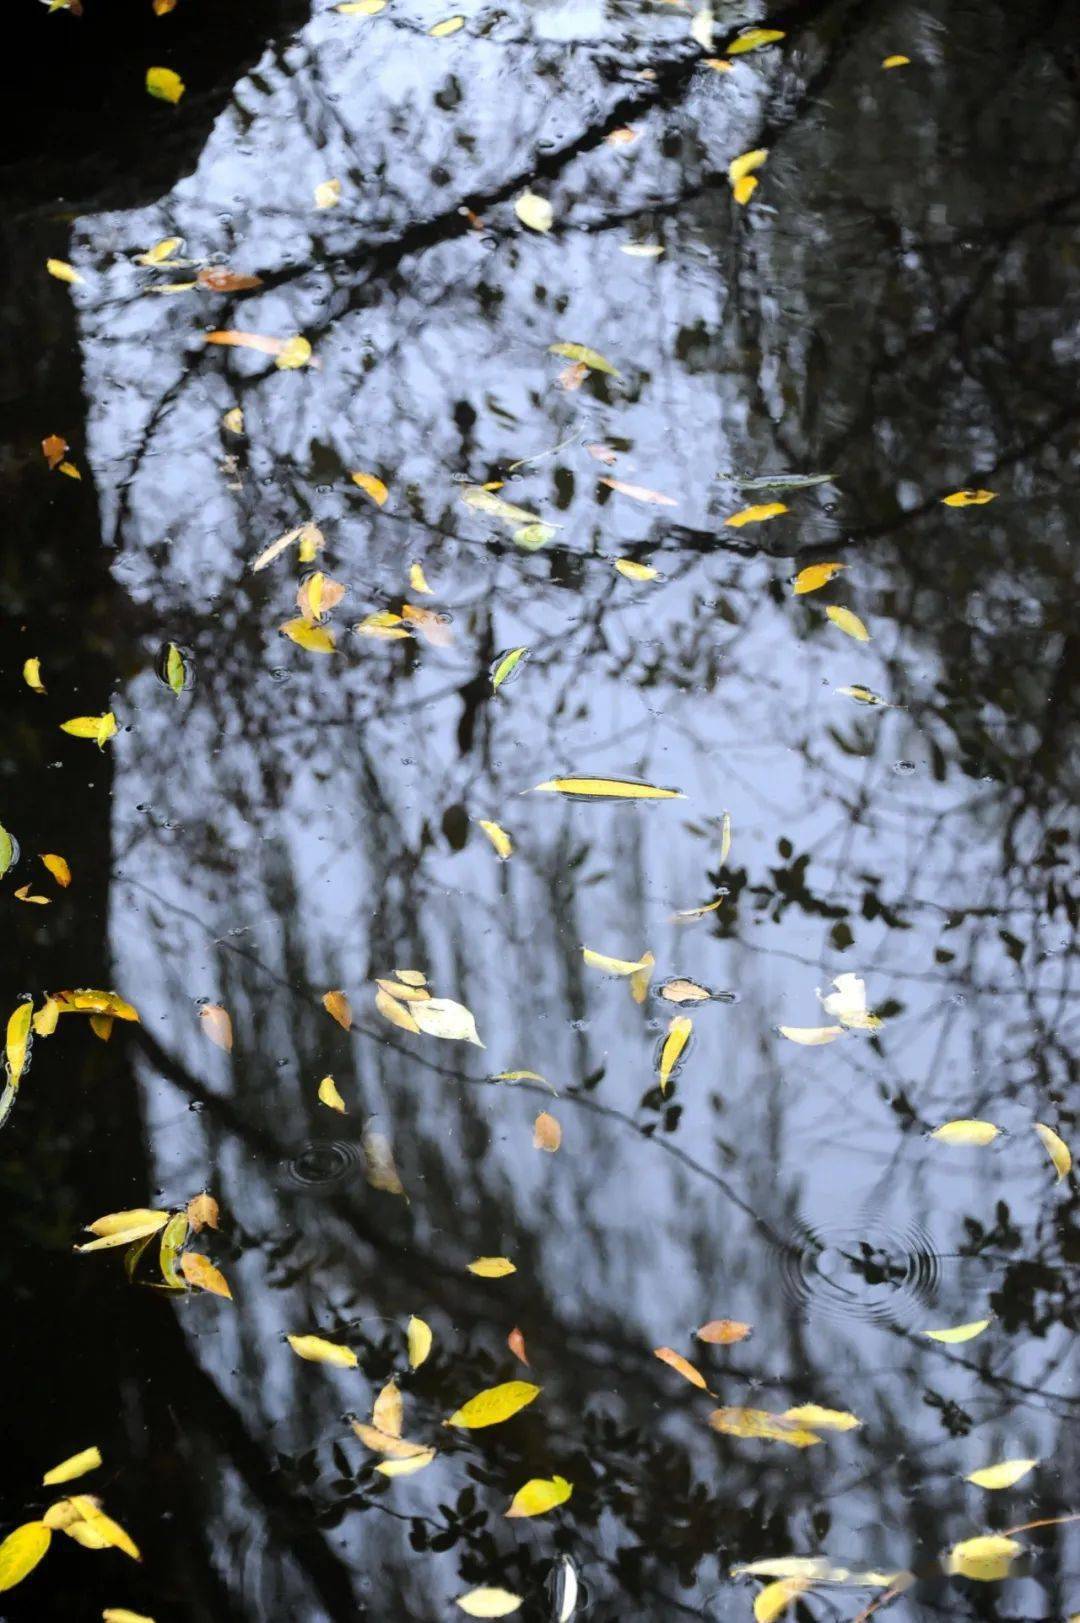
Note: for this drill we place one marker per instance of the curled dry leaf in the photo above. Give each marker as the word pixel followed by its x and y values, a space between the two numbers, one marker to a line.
pixel 32 675
pixel 547 1133
pixel 539 1495
pixel 336 1005
pixel 25 894
pixel 318 1351
pixel 203 1212
pixel 83 1520
pixel 384 1442
pixel 309 536
pixel 492 1267
pixel 682 1366
pixel 741 176
pixel 494 1405
pixel 418 580
pixel 200 1272
pixel 723 1332
pixel 217 1025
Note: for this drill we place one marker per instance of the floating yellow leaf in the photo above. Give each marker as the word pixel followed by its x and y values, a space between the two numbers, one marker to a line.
pixel 719 64
pixel 88 1459
pixel 635 571
pixel 642 250
pixel 814 576
pixel 723 1332
pixel 99 728
pixel 449 25
pixel 539 1495
pixel 294 353
pixel 217 1025
pixel 405 991
pixel 164 84
pixel 360 8
pixel 24 894
pixel 442 1017
pixel 984 1559
pixel 678 1035
pixel 372 486
pixel 418 580
pixel 499 838
pixel 327 194
pixel 741 173
pixel 640 493
pixel 760 1423
pixel 120 1614
pixel 489 1602
pixel 203 1212
pixel 547 1133
pixel 492 1267
pixel 62 270
pixel 1004 1475
pixel 318 1351
pixel 506 664
pixel 811 1036
pixel 419 1337
pixel 9 851
pixel 494 1405
pixel 844 620
pixel 896 62
pixel 54 449
pixel 309 533
pixel 959 1332
pixel 121 1228
pixel 819 1419
pixel 32 675
pixel 1056 1149
pixel 755 515
pixel 82 1519
pixel 384 624
pixel 584 356
pixel 606 789
pixel 81 1002
pixel 317 594
pixel 776 1597
pixel 388 1410
pixel 969 498
pixel 160 252
pixel 384 1442
pixel 615 966
pixel 406 1466
pixel 395 1012
pixel 233 420
pixel 847 1003
pixel 701 28
pixel 863 695
pixel 23 1549
pixel 753 40
pixel 18 1042
pixel 329 1095
pixel 200 1272
pixel 316 639
pixel 966 1131
pixel 102 1026
pixel 681 1365
pixel 336 1005
pixel 535 212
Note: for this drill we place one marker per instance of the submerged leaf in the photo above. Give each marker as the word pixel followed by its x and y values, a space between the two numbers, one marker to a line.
pixel 516 1342
pixel 1057 1149
pixel 492 1267
pixel 682 1366
pixel 755 515
pixel 173 1236
pixel 606 789
pixel 678 1035
pixel 494 1405
pixel 966 1131
pixel 959 1332
pixel 539 1495
pixel 1003 1475
pixel 318 1351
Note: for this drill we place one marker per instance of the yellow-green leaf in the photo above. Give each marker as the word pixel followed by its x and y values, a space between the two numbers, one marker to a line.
pixel 1003 1475
pixel 584 356
pixel 419 1338
pixel 164 84
pixel 318 1351
pixel 505 666
pixel 814 576
pixel 449 25
pixel 959 1332
pixel 372 486
pixel 539 1495
pixel 489 1602
pixel 678 1035
pixel 632 570
pixel 492 1267
pixel 755 515
pixel 606 789
pixel 88 1459
pixel 741 174
pixel 969 498
pixel 984 1559
pixel 776 1597
pixel 316 639
pixel 494 1405
pixel 120 1614
pixel 535 212
pixel 616 966
pixel 32 675
pixel 896 62
pixel 1057 1149
pixel 99 728
pixel 844 620
pixel 173 1236
pixel 753 40
pixel 499 838
pixel 819 1419
pixel 62 270
pixel 294 353
pixel 23 1549
pixel 966 1131
pixel 329 1095
pixel 18 1042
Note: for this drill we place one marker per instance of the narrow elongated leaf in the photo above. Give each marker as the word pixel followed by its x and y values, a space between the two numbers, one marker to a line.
pixel 777 1597
pixel 485 501
pixel 384 1442
pixel 985 1560
pixel 58 867
pixel 318 1351
pixel 1004 1475
pixel 372 486
pixel 32 678
pixel 539 1495
pixel 814 576
pixel 419 1341
pixel 844 620
pixel 500 839
pixel 88 1459
pixel 120 1614
pixel 678 1035
pixel 492 1267
pixel 811 1036
pixel 723 1332
pixel 969 498
pixel 735 1422
pixel 819 1419
pixel 505 665
pixel 489 1602
pixel 606 789
pixel 62 271
pixel 682 1366
pixel 959 1332
pixel 754 39
pixel 120 1222
pixel 173 1236
pixel 640 493
pixel 1057 1149
pixel 18 1042
pixel 494 1405
pixel 755 515
pixel 966 1132
pixel 584 356
pixel 397 1013
pixel 21 1551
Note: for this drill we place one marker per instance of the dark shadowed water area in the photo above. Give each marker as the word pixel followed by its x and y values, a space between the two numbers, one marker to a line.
pixel 890 318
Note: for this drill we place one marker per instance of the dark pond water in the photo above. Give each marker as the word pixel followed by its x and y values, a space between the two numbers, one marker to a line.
pixel 895 308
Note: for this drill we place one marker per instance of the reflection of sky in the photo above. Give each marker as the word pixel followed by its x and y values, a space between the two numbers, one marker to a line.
pixel 278 831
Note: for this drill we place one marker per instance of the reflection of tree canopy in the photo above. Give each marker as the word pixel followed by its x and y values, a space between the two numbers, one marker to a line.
pixel 888 313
